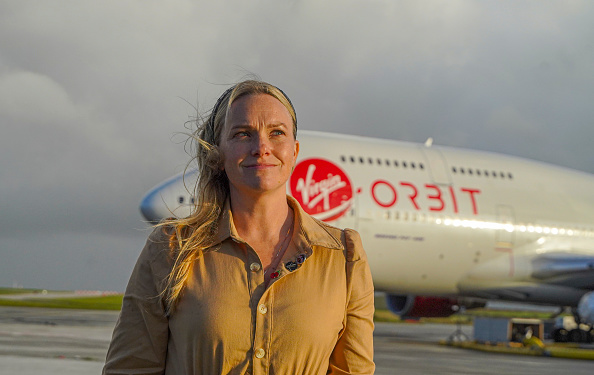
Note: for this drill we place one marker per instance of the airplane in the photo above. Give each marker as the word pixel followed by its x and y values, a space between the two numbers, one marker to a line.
pixel 443 227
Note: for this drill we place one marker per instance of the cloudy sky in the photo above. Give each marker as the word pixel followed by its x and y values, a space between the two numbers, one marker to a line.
pixel 94 94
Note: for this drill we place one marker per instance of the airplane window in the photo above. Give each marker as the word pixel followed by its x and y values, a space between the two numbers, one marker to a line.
pixel 370 160
pixel 413 165
pixel 379 162
pixel 395 163
pixel 509 175
pixel 454 169
pixel 180 200
pixel 470 171
pixel 486 173
pixel 462 170
pixel 352 159
pixel 494 174
pixel 502 174
pixel 387 162
pixel 192 200
pixel 421 166
pixel 404 164
pixel 361 160
pixel 478 172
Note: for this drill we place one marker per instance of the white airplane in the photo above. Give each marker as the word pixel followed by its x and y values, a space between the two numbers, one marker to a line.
pixel 442 226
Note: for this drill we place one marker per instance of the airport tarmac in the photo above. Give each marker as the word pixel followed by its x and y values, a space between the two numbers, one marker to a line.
pixel 55 341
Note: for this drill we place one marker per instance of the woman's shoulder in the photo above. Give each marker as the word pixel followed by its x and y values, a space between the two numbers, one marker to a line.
pixel 158 243
pixel 347 237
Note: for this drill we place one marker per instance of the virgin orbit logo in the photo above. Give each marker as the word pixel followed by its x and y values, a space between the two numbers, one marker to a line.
pixel 322 188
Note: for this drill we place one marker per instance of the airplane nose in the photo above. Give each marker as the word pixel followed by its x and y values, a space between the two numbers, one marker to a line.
pixel 148 204
pixel 162 201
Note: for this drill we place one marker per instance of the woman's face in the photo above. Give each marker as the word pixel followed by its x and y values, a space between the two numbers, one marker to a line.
pixel 257 145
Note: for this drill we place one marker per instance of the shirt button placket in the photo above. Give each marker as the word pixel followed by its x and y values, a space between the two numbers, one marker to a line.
pixel 260 353
pixel 262 309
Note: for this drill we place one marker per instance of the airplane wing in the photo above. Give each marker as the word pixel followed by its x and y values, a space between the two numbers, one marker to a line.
pixel 549 271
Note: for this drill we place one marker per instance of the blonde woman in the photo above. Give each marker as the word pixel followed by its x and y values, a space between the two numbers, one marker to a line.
pixel 248 283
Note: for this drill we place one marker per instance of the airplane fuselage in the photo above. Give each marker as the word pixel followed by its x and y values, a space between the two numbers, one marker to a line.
pixel 445 221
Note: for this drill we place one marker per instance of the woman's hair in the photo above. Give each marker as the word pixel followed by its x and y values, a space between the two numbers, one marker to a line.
pixel 189 237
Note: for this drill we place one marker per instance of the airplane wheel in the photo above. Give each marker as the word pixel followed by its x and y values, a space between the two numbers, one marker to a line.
pixel 578 335
pixel 560 335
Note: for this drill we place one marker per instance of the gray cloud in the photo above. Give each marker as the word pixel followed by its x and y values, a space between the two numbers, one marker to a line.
pixel 92 95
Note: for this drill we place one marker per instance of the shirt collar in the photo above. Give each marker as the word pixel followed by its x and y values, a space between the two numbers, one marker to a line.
pixel 309 232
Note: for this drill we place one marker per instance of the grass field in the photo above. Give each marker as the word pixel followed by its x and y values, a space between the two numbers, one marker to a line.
pixel 114 302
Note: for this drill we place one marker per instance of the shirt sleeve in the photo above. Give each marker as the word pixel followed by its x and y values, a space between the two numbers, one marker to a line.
pixel 139 341
pixel 353 353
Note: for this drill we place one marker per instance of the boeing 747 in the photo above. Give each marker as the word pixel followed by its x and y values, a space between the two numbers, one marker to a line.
pixel 442 226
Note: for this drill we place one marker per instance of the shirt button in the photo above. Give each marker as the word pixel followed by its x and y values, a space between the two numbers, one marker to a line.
pixel 260 353
pixel 263 309
pixel 255 267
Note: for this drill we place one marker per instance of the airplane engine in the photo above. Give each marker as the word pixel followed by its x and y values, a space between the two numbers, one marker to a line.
pixel 410 306
pixel 586 308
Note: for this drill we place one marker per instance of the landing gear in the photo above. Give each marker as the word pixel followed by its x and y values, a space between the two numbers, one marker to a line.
pixel 575 331
pixel 579 335
pixel 458 335
pixel 560 335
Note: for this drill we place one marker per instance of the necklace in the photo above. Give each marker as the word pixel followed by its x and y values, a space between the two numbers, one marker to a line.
pixel 281 247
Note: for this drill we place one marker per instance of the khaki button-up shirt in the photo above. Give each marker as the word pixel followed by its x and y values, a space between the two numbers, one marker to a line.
pixel 315 316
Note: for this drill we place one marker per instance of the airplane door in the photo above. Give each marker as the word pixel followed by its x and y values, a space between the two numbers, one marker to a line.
pixel 504 237
pixel 505 216
pixel 437 166
pixel 351 218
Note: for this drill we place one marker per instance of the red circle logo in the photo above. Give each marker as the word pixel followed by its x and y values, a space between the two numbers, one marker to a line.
pixel 322 188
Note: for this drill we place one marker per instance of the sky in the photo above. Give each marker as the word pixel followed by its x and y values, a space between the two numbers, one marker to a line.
pixel 95 96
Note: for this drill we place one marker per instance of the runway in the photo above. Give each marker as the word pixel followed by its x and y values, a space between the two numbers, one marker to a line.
pixel 54 341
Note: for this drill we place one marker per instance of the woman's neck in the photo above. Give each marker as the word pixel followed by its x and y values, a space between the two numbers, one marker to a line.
pixel 260 218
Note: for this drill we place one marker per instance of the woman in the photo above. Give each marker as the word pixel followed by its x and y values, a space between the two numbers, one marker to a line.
pixel 249 283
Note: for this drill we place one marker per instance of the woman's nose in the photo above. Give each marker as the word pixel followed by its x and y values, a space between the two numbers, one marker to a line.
pixel 261 145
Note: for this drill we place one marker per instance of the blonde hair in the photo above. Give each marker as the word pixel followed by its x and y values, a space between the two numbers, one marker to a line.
pixel 189 237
